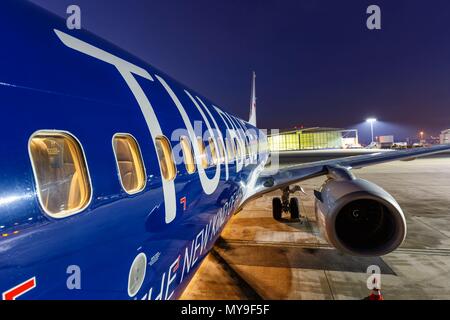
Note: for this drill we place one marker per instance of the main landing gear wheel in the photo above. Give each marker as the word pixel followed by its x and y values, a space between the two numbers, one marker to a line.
pixel 277 208
pixel 294 209
pixel 287 204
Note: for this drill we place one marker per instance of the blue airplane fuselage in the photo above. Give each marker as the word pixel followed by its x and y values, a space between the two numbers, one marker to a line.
pixel 47 82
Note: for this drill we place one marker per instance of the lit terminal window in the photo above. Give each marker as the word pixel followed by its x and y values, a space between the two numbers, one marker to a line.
pixel 187 154
pixel 165 157
pixel 203 156
pixel 129 162
pixel 61 174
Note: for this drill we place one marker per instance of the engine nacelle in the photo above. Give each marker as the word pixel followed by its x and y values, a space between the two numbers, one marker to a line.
pixel 360 218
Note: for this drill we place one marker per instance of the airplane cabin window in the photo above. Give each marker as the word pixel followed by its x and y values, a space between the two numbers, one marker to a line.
pixel 247 146
pixel 187 154
pixel 61 174
pixel 129 162
pixel 203 156
pixel 229 150
pixel 212 148
pixel 238 148
pixel 221 151
pixel 252 146
pixel 165 157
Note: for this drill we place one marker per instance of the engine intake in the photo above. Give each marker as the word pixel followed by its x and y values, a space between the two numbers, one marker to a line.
pixel 360 218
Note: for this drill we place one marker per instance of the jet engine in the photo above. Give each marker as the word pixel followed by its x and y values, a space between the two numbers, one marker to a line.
pixel 358 217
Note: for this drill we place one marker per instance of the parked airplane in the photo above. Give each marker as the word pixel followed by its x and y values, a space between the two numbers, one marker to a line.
pixel 116 180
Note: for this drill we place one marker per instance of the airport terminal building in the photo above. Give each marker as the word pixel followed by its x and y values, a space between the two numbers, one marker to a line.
pixel 312 139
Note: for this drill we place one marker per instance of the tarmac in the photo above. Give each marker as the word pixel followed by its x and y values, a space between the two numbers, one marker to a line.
pixel 260 258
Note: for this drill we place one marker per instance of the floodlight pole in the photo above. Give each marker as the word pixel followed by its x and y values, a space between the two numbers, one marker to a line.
pixel 371 129
pixel 371 121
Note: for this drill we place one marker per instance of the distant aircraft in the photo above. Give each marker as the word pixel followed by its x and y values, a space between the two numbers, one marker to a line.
pixel 116 180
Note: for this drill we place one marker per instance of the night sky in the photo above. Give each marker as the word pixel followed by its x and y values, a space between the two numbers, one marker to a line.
pixel 316 62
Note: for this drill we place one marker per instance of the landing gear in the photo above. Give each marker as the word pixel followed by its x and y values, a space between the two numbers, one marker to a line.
pixel 287 204
pixel 277 208
pixel 294 209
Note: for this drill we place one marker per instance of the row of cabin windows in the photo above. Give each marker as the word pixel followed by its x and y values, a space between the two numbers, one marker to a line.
pixel 62 177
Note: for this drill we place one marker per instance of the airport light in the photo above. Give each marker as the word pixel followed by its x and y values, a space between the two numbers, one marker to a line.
pixel 422 141
pixel 371 121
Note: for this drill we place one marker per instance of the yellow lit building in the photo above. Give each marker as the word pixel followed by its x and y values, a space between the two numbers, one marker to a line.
pixel 313 139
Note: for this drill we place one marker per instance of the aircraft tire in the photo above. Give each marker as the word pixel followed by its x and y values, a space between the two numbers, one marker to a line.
pixel 277 208
pixel 294 209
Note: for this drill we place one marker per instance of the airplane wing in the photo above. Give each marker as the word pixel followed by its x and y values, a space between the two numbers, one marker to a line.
pixel 270 180
pixel 303 156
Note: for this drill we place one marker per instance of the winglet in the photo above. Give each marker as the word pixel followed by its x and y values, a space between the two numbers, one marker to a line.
pixel 252 118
